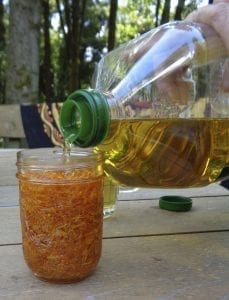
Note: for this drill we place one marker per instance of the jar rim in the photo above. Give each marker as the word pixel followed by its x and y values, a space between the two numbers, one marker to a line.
pixel 54 158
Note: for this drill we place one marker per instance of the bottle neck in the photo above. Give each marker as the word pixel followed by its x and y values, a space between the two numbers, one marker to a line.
pixel 85 118
pixel 116 107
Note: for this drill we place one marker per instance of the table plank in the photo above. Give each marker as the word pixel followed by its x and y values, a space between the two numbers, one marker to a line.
pixel 8 167
pixel 135 218
pixel 214 189
pixel 174 267
pixel 10 227
pixel 144 217
pixel 9 194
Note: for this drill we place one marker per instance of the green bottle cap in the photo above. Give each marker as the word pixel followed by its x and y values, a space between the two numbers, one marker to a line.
pixel 85 118
pixel 175 203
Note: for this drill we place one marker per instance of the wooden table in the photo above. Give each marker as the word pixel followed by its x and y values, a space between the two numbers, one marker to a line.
pixel 148 253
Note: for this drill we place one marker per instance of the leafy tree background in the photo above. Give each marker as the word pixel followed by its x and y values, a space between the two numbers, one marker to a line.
pixel 71 36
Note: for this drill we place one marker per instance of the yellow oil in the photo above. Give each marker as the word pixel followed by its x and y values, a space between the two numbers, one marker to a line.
pixel 110 194
pixel 166 153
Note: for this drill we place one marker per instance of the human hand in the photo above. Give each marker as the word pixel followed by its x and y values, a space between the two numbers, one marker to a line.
pixel 216 15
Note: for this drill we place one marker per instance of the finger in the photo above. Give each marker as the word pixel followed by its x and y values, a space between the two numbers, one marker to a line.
pixel 216 16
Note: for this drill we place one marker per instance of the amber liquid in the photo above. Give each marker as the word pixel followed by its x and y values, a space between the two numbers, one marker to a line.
pixel 167 152
pixel 61 222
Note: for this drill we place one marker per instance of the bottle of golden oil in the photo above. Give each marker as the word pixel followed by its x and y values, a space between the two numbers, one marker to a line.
pixel 158 109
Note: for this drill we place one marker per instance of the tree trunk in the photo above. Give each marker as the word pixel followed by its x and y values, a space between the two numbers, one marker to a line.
pixel 63 60
pixel 166 12
pixel 2 54
pixel 22 78
pixel 158 5
pixel 2 27
pixel 71 18
pixel 112 24
pixel 62 24
pixel 179 10
pixel 75 44
pixel 46 73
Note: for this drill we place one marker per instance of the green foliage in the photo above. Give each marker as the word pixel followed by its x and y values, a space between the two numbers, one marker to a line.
pixel 190 7
pixel 134 18
pixel 92 34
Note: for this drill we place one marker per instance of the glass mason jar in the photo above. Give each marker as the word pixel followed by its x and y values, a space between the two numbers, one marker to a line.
pixel 61 210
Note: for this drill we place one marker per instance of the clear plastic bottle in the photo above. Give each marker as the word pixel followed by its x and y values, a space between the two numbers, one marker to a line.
pixel 158 109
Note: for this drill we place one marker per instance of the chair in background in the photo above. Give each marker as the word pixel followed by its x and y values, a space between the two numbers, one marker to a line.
pixel 33 125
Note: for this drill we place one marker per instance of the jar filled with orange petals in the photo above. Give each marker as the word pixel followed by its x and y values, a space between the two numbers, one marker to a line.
pixel 61 210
